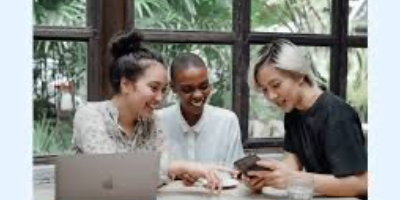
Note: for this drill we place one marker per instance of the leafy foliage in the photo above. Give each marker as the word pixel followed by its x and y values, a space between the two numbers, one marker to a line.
pixel 59 12
pixel 51 137
pixel 357 88
pixel 184 15
pixel 213 15
pixel 58 61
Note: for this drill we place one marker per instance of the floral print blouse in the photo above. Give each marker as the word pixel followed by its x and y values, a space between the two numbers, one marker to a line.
pixel 97 131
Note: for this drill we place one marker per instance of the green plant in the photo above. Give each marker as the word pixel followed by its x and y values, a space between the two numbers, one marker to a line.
pixel 51 137
pixel 59 12
pixel 357 86
pixel 68 59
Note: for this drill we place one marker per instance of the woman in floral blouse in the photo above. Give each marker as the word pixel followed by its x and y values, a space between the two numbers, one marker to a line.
pixel 126 123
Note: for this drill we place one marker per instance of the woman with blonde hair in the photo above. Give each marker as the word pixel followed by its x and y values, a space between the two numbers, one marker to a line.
pixel 323 133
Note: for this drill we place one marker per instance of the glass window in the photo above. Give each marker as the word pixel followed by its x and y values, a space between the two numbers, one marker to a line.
pixel 59 12
pixel 357 82
pixel 358 17
pixel 266 119
pixel 291 16
pixel 214 15
pixel 219 60
pixel 59 86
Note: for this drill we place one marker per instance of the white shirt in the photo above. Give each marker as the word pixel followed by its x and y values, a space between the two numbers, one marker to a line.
pixel 214 139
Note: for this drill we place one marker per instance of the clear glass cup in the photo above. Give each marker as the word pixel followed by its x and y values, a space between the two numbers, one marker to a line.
pixel 301 188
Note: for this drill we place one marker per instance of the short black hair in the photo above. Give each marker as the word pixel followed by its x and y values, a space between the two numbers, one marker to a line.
pixel 128 55
pixel 184 61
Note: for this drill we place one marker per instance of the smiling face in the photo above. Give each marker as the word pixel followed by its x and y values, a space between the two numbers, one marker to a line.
pixel 193 88
pixel 280 87
pixel 147 92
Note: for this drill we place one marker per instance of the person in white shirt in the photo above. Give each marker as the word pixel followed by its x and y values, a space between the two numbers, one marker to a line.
pixel 196 130
pixel 126 122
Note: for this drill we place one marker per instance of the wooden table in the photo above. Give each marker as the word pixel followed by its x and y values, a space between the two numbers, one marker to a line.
pixel 176 191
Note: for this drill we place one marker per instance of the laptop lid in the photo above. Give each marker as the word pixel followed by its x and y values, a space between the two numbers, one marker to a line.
pixel 107 176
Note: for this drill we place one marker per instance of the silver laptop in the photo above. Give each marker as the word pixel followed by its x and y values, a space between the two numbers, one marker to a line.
pixel 107 176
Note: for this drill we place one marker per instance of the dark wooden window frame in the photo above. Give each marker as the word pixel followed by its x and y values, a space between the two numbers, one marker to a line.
pixel 105 18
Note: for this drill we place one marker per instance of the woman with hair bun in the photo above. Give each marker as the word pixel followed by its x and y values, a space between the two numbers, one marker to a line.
pixel 126 123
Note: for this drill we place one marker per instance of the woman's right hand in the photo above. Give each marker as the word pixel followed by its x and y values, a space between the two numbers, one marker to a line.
pixel 190 172
pixel 209 172
pixel 187 179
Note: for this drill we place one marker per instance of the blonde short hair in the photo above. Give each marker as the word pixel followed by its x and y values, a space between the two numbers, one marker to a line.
pixel 285 56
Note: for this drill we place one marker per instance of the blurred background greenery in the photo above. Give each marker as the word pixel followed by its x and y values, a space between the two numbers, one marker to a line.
pixel 60 67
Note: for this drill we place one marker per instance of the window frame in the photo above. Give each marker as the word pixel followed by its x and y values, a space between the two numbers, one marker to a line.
pixel 105 18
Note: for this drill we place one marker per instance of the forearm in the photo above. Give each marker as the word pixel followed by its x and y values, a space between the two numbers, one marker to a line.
pixel 330 185
pixel 292 161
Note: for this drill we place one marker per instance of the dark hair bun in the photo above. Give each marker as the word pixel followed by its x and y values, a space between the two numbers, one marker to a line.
pixel 126 43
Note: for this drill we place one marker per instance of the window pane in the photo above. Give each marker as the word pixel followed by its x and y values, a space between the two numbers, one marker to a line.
pixel 265 119
pixel 294 16
pixel 59 86
pixel 217 57
pixel 215 15
pixel 357 82
pixel 358 17
pixel 59 12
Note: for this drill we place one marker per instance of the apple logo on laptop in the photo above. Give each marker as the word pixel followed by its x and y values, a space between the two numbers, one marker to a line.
pixel 108 183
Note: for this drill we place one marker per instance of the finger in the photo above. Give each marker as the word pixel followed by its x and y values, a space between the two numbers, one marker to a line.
pixel 257 173
pixel 219 185
pixel 270 182
pixel 188 183
pixel 209 181
pixel 185 179
pixel 185 176
pixel 259 185
pixel 216 181
pixel 256 184
pixel 270 164
pixel 254 181
pixel 191 178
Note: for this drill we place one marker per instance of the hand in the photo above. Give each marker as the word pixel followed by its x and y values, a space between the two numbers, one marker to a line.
pixel 187 179
pixel 255 183
pixel 208 172
pixel 277 178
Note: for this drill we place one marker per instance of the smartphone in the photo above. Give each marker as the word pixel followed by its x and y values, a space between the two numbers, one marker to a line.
pixel 248 163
